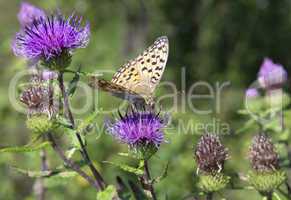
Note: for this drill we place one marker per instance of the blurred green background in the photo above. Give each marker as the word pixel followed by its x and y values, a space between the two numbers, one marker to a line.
pixel 221 41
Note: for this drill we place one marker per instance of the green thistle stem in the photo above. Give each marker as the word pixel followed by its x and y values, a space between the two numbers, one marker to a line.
pixel 269 196
pixel 209 196
pixel 147 177
pixel 70 163
pixel 99 179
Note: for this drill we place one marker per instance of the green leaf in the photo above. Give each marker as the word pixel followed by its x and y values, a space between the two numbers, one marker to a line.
pixel 48 173
pixel 248 125
pixel 67 174
pixel 243 112
pixel 71 152
pixel 127 168
pixel 108 194
pixel 89 120
pixel 63 122
pixel 141 165
pixel 75 141
pixel 163 175
pixel 277 196
pixel 60 179
pixel 74 82
pixel 25 148
pixel 34 174
pixel 34 139
pixel 124 154
pixel 128 155
pixel 285 135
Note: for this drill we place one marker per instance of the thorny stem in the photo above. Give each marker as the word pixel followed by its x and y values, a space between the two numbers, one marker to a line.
pixel 71 164
pixel 148 179
pixel 69 115
pixel 269 196
pixel 209 196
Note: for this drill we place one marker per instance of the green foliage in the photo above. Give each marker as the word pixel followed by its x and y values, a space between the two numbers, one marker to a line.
pixel 22 149
pixel 74 82
pixel 87 121
pixel 108 194
pixel 162 176
pixel 137 171
pixel 60 179
pixel 61 173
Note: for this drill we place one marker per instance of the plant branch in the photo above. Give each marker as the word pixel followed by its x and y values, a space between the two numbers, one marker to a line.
pixel 69 115
pixel 269 195
pixel 147 178
pixel 40 189
pixel 209 196
pixel 71 164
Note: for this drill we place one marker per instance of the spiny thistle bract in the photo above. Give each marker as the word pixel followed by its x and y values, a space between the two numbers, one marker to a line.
pixel 210 154
pixel 40 124
pixel 51 39
pixel 212 183
pixel 264 159
pixel 141 130
pixel 267 181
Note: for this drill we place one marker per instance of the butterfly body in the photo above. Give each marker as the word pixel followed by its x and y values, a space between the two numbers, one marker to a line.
pixel 137 79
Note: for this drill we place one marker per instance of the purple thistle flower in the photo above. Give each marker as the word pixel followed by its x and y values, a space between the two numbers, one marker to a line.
pixel 252 93
pixel 138 128
pixel 28 13
pixel 271 75
pixel 52 40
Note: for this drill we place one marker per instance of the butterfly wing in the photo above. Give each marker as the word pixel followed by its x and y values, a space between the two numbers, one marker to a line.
pixel 138 78
pixel 153 62
pixel 114 89
pixel 143 73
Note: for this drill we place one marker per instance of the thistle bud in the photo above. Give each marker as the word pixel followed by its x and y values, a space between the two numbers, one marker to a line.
pixel 266 175
pixel 210 154
pixel 262 154
pixel 41 106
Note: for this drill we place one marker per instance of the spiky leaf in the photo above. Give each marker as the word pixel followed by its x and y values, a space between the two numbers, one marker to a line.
pixel 108 194
pixel 127 168
pixel 74 82
pixel 25 148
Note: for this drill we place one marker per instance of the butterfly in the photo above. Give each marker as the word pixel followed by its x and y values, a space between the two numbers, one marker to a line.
pixel 138 78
